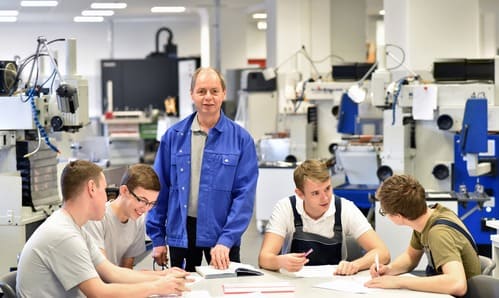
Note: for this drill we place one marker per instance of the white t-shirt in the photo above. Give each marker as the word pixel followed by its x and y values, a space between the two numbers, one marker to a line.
pixel 56 259
pixel 119 240
pixel 353 222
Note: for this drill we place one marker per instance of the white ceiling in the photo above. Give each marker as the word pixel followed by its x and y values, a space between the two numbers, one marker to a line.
pixel 67 9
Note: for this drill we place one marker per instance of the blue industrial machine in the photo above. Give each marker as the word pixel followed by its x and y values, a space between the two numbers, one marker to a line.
pixel 357 156
pixel 475 178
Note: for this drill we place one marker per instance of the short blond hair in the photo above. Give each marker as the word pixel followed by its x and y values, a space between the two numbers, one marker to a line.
pixel 312 169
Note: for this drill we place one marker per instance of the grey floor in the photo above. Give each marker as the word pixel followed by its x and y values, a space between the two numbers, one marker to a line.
pixel 250 247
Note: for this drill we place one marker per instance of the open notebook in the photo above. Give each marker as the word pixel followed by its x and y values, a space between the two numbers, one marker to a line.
pixel 235 269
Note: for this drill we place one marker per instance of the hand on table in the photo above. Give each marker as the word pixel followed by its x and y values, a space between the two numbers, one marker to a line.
pixel 346 268
pixel 220 256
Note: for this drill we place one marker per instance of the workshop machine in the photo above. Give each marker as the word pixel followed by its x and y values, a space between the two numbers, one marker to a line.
pixel 443 134
pixel 34 102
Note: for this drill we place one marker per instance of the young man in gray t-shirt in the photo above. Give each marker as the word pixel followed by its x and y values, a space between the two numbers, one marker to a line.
pixel 60 260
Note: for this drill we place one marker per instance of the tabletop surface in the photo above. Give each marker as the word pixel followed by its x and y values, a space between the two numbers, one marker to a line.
pixel 304 287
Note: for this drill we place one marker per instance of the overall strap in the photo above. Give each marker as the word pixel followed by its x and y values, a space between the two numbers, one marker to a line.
pixel 297 217
pixel 337 216
pixel 457 227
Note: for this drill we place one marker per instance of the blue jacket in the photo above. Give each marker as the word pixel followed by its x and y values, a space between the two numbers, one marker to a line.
pixel 227 186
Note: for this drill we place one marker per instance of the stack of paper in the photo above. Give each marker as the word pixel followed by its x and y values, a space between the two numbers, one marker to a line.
pixel 260 287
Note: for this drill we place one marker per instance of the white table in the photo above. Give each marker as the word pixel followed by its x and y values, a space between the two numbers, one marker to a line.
pixel 304 287
pixel 495 244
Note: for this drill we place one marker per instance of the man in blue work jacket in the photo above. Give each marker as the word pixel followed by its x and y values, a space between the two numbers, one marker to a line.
pixel 208 169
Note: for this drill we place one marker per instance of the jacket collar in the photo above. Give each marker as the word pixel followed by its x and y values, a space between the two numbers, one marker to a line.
pixel 221 124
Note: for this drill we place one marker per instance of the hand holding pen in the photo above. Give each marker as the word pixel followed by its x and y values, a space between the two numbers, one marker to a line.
pixel 378 269
pixel 309 252
pixel 293 262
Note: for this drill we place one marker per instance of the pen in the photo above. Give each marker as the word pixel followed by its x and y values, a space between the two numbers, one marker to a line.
pixel 309 252
pixel 376 262
pixel 184 263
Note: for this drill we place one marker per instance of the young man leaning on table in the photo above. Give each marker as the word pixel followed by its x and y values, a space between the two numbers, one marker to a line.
pixel 311 227
pixel 448 245
pixel 61 260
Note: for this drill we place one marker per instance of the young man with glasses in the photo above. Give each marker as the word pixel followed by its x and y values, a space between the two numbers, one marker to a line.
pixel 437 232
pixel 120 235
pixel 61 260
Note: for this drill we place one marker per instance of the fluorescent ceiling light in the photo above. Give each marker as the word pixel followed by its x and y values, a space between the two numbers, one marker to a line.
pixel 259 16
pixel 8 19
pixel 88 19
pixel 167 9
pixel 38 3
pixel 97 13
pixel 111 5
pixel 261 25
pixel 9 13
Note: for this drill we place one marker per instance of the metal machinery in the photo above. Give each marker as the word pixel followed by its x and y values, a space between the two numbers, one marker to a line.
pixel 351 133
pixel 443 134
pixel 28 156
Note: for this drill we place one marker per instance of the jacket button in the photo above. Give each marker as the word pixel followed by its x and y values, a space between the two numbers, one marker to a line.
pixel 181 169
pixel 183 188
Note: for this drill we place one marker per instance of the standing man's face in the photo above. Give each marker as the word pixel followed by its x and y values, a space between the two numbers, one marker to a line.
pixel 208 94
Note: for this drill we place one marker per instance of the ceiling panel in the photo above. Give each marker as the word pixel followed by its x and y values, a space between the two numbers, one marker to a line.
pixel 67 9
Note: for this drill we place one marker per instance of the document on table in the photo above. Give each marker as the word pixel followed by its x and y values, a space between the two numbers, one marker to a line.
pixel 258 287
pixel 312 271
pixel 352 284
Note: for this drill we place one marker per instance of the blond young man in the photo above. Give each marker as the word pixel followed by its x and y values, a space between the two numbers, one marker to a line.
pixel 314 220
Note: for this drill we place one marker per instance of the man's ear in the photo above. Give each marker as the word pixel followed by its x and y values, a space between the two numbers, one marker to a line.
pixel 123 189
pixel 299 193
pixel 91 186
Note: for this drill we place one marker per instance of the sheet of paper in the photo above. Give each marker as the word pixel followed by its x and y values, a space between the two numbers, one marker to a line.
pixel 351 284
pixel 197 294
pixel 258 287
pixel 313 271
pixel 424 102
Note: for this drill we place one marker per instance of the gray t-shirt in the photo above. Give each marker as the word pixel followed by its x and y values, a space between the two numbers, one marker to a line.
pixel 56 259
pixel 119 240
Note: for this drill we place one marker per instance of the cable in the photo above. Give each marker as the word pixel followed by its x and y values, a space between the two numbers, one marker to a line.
pixel 41 129
pixel 27 155
pixel 373 67
pixel 401 62
pixel 304 52
pixel 287 59
pixel 329 56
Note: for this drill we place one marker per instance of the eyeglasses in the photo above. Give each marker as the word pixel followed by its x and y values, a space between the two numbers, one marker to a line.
pixel 144 202
pixel 381 211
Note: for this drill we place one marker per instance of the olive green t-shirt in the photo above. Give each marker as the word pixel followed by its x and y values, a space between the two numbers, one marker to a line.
pixel 446 243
